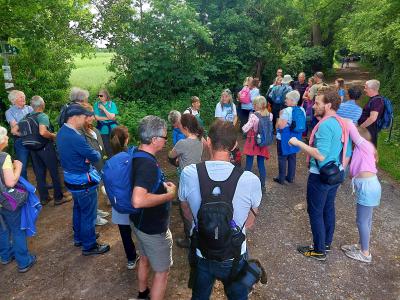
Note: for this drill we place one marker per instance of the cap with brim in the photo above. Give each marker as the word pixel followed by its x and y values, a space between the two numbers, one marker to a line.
pixel 77 110
pixel 287 79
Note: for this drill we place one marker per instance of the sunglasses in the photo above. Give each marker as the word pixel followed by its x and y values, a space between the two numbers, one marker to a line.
pixel 163 137
pixel 101 96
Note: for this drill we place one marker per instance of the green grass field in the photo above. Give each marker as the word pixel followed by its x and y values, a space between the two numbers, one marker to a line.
pixel 91 73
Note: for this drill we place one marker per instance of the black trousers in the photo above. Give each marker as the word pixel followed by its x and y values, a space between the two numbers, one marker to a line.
pixel 42 160
pixel 129 246
pixel 276 108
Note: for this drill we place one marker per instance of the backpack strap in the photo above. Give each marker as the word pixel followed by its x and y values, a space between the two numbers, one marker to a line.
pixel 144 154
pixel 207 185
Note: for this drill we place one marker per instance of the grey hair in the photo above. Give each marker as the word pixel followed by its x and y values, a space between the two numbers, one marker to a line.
pixel 150 127
pixel 3 134
pixel 13 95
pixel 37 102
pixel 174 116
pixel 293 95
pixel 302 73
pixel 373 84
pixel 319 75
pixel 78 95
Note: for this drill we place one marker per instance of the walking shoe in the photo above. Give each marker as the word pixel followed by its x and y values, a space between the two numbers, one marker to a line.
pixel 350 247
pixel 6 262
pixel 328 248
pixel 102 213
pixel 61 201
pixel 45 201
pixel 78 244
pixel 358 255
pixel 290 181
pixel 183 243
pixel 277 180
pixel 132 263
pixel 97 249
pixel 308 251
pixel 100 221
pixel 28 267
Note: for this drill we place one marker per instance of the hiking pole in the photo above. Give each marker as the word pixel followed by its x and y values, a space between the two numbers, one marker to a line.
pixel 390 133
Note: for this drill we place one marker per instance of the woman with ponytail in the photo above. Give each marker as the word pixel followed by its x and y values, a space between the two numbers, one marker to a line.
pixel 188 151
pixel 119 142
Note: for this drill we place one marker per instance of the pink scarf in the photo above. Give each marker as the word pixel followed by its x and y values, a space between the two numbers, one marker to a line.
pixel 344 138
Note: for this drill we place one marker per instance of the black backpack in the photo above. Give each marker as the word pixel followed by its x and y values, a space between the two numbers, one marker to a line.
pixel 218 237
pixel 29 132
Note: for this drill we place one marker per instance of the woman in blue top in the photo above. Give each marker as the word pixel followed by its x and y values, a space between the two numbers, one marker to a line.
pixel 105 112
pixel 226 109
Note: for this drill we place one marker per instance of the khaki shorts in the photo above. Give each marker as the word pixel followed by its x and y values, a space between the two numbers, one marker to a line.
pixel 157 248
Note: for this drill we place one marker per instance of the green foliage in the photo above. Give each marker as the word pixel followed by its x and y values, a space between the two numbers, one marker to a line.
pixel 47 33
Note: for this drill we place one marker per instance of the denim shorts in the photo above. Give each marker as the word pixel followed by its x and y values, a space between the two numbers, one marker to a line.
pixel 368 190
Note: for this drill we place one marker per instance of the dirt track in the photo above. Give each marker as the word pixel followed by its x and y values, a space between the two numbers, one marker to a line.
pixel 63 273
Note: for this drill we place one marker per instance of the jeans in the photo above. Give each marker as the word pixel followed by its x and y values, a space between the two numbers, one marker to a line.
pixel 321 210
pixel 84 217
pixel 13 239
pixel 261 167
pixel 46 158
pixel 129 246
pixel 209 270
pixel 22 155
pixel 364 224
pixel 284 161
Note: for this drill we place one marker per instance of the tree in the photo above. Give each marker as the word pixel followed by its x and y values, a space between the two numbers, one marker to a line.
pixel 47 33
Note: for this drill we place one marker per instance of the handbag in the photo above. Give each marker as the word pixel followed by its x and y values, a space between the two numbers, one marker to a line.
pixel 331 173
pixel 10 198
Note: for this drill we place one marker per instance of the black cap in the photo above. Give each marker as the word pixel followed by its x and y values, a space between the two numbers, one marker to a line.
pixel 77 110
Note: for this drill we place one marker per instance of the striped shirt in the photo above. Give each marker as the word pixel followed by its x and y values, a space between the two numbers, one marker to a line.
pixel 350 110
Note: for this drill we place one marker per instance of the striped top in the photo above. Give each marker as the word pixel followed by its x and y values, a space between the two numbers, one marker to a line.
pixel 350 110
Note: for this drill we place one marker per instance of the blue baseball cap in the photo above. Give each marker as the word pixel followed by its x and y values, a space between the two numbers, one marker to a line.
pixel 77 110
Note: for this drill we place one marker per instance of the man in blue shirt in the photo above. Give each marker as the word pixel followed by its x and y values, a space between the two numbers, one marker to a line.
pixel 350 109
pixel 14 114
pixel 76 157
pixel 327 147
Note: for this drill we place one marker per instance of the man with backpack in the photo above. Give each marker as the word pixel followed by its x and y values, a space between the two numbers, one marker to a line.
pixel 40 139
pixel 327 154
pixel 291 122
pixel 76 96
pixel 14 114
pixel 278 96
pixel 152 197
pixel 318 83
pixel 222 201
pixel 373 111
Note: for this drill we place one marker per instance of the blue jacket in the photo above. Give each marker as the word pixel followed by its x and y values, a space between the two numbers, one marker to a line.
pixel 74 150
pixel 30 210
pixel 177 135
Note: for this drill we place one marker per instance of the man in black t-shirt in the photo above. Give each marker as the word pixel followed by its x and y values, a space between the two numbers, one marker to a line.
pixel 151 224
pixel 373 110
pixel 300 85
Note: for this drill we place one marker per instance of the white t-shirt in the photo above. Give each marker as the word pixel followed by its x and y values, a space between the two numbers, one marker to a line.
pixel 228 112
pixel 194 111
pixel 287 115
pixel 247 195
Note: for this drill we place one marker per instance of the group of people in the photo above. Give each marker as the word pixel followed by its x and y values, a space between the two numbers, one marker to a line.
pixel 212 189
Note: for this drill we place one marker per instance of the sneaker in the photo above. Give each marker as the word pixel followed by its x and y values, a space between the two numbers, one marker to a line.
pixel 328 248
pixel 45 201
pixel 308 251
pixel 102 213
pixel 97 249
pixel 61 201
pixel 28 267
pixel 78 244
pixel 350 248
pixel 358 255
pixel 183 243
pixel 132 263
pixel 287 179
pixel 6 262
pixel 100 221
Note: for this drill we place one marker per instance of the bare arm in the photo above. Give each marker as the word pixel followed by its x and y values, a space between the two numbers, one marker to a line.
pixel 251 218
pixel 11 176
pixel 14 128
pixel 45 133
pixel 172 154
pixel 281 123
pixel 110 116
pixel 141 198
pixel 373 116
pixel 187 212
pixel 313 152
pixel 235 119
